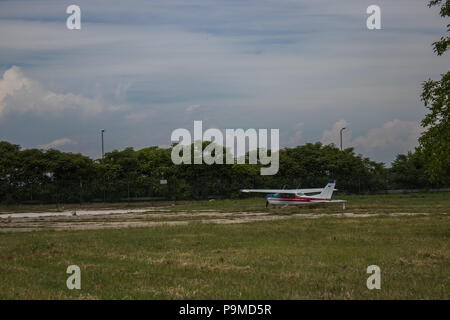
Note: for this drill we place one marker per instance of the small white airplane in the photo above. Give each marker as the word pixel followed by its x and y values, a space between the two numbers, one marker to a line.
pixel 298 196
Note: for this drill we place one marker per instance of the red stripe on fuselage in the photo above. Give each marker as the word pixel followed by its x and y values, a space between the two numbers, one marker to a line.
pixel 297 199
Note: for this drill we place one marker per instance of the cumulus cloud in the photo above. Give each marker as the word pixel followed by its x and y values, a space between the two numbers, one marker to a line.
pixel 397 136
pixel 56 143
pixel 333 136
pixel 400 135
pixel 20 94
pixel 297 138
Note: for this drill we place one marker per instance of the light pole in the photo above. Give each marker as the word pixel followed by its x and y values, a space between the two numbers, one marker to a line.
pixel 103 161
pixel 341 135
pixel 103 146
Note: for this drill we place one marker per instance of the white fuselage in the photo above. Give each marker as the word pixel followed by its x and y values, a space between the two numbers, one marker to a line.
pixel 294 199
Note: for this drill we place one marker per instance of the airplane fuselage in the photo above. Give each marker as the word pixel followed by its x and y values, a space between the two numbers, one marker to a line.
pixel 293 199
pixel 288 197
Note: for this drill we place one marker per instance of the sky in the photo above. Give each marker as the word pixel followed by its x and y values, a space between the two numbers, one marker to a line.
pixel 141 69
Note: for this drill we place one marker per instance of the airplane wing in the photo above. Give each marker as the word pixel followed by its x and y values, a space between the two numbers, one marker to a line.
pixel 326 201
pixel 270 190
pixel 284 190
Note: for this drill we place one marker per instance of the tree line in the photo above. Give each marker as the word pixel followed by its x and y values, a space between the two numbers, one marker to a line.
pixel 34 175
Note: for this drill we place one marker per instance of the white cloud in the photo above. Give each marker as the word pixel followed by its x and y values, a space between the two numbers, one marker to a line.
pixel 400 135
pixel 396 136
pixel 56 143
pixel 333 136
pixel 19 94
pixel 297 138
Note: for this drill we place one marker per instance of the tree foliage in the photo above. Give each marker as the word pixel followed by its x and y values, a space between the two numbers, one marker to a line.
pixel 440 47
pixel 435 141
pixel 54 176
pixel 408 172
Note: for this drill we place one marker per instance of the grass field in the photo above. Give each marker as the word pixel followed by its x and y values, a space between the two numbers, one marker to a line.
pixel 415 202
pixel 383 203
pixel 322 258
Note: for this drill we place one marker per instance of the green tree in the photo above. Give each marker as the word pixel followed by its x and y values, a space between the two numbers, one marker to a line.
pixel 440 47
pixel 9 158
pixel 311 165
pixel 435 141
pixel 408 171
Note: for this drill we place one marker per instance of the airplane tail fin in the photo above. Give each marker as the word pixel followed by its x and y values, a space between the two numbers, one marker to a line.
pixel 327 192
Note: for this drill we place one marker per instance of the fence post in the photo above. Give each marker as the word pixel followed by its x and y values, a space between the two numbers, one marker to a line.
pixel 359 184
pixel 81 191
pixel 386 181
pixel 151 188
pixel 128 189
pixel 174 189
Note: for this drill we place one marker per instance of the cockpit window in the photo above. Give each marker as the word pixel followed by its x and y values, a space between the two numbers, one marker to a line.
pixel 287 195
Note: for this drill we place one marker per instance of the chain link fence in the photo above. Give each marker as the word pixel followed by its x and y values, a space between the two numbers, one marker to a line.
pixel 173 188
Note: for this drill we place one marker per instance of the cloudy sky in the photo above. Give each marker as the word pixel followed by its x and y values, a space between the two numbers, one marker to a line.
pixel 140 69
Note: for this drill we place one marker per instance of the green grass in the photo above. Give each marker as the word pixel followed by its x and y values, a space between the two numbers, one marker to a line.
pixel 285 259
pixel 383 203
pixel 290 259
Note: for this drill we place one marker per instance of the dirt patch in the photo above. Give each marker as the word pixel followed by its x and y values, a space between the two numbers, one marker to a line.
pixel 76 213
pixel 116 219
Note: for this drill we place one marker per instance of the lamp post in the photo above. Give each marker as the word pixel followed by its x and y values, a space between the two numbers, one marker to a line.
pixel 103 146
pixel 341 135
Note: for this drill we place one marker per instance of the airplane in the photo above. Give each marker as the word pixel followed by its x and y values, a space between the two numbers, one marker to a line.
pixel 298 196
